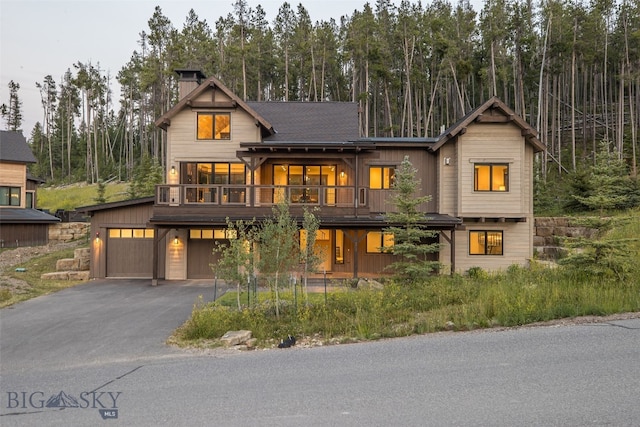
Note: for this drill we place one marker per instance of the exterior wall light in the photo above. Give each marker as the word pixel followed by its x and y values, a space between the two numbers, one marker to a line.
pixel 97 236
pixel 175 240
pixel 173 170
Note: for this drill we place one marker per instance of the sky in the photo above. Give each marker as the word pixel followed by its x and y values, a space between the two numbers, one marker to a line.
pixel 41 37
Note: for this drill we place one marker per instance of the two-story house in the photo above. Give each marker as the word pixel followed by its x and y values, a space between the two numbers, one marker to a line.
pixel 227 158
pixel 21 224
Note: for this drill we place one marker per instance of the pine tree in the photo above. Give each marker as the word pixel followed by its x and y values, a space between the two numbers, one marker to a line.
pixel 12 113
pixel 610 186
pixel 412 240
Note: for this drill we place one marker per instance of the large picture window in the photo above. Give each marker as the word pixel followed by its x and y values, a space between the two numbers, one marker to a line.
pixel 379 242
pixel 10 196
pixel 381 177
pixel 208 175
pixel 491 177
pixel 485 243
pixel 306 181
pixel 214 126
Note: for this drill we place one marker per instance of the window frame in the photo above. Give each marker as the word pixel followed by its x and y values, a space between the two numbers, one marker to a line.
pixel 491 165
pixel 486 239
pixel 131 233
pixel 213 127
pixel 385 183
pixel 382 246
pixel 14 194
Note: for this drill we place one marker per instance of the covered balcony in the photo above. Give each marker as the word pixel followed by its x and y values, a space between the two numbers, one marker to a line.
pixel 247 200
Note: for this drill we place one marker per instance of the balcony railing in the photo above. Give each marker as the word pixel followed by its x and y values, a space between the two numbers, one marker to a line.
pixel 259 195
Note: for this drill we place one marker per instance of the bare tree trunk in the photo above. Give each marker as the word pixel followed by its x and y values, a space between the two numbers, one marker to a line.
pixel 573 96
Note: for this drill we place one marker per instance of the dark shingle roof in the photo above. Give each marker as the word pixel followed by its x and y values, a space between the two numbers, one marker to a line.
pixel 310 121
pixel 14 148
pixel 116 205
pixel 25 216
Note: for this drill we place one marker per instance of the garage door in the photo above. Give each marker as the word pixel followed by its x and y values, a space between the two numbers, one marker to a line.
pixel 130 252
pixel 200 256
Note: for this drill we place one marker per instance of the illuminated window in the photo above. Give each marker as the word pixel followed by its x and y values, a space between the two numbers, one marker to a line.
pixel 131 233
pixel 305 180
pixel 214 126
pixel 491 177
pixel 209 234
pixel 10 196
pixel 339 256
pixel 378 242
pixel 485 243
pixel 381 177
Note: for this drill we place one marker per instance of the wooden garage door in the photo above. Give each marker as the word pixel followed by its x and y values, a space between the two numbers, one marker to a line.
pixel 130 253
pixel 200 255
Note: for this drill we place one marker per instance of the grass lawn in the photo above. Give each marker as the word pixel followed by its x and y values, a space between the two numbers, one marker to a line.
pixel 69 197
pixel 20 286
pixel 516 296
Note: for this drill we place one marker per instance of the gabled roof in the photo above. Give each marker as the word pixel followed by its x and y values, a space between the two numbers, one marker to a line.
pixel 494 111
pixel 310 121
pixel 212 83
pixel 14 148
pixel 25 216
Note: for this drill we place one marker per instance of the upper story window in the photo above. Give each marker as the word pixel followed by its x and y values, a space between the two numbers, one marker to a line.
pixel 379 242
pixel 305 181
pixel 491 177
pixel 214 173
pixel 29 200
pixel 381 177
pixel 10 196
pixel 485 243
pixel 214 126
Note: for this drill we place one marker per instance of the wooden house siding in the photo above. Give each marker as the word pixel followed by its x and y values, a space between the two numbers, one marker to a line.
pixel 492 143
pixel 18 235
pixel 183 144
pixel 176 255
pixel 422 161
pixel 517 246
pixel 123 217
pixel 448 180
pixel 14 175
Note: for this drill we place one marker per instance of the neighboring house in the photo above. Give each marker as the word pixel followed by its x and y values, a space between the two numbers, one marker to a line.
pixel 21 224
pixel 227 158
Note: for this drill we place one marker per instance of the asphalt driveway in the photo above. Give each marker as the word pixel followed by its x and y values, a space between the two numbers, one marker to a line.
pixel 97 322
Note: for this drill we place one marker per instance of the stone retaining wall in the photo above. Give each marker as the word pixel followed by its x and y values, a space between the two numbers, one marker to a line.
pixel 68 231
pixel 76 268
pixel 549 233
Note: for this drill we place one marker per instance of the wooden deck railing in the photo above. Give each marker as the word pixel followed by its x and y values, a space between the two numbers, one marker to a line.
pixel 259 195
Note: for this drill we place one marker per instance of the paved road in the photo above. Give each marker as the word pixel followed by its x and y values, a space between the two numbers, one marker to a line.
pixel 580 375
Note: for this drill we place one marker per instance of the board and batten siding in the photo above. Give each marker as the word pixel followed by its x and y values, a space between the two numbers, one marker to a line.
pixel 492 143
pixel 183 144
pixel 102 221
pixel 423 162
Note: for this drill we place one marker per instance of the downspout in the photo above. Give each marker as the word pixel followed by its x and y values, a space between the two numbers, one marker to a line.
pixel 453 251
